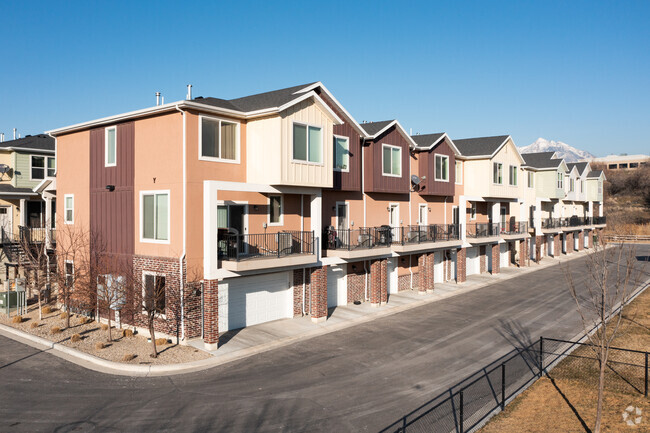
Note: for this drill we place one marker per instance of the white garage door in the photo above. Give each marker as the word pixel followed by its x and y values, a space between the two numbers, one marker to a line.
pixel 504 260
pixel 473 265
pixel 247 301
pixel 337 290
pixel 392 279
pixel 438 268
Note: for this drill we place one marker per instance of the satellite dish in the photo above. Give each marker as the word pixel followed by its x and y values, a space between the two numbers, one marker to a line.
pixel 4 168
pixel 415 180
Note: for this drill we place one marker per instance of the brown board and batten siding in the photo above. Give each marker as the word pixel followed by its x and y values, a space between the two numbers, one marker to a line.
pixel 111 212
pixel 375 181
pixel 427 167
pixel 350 180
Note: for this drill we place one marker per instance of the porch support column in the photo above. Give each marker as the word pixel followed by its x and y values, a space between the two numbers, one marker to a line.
pixel 318 292
pixel 496 256
pixel 600 209
pixel 23 212
pixel 211 314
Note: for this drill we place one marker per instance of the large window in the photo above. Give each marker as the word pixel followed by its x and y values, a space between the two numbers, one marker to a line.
pixel 69 208
pixel 442 168
pixel 512 179
pixel 307 143
pixel 38 167
pixel 560 181
pixel 110 147
pixel 153 292
pixel 391 160
pixel 275 209
pixel 497 173
pixel 219 139
pixel 572 185
pixel 155 216
pixel 341 153
pixel 459 172
pixel 531 179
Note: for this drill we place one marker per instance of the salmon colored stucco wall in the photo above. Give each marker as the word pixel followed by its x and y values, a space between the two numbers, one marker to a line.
pixel 158 166
pixel 377 204
pixel 355 207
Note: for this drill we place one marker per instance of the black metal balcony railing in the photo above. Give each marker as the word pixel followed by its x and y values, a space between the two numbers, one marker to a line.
pixel 482 230
pixel 426 233
pixel 361 238
pixel 238 247
pixel 514 228
pixel 600 220
pixel 551 223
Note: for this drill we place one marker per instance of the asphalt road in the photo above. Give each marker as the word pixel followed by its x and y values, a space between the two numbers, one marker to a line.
pixel 358 379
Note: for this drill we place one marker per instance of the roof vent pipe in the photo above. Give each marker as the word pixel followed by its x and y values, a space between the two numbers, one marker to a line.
pixel 157 98
pixel 162 100
pixel 189 92
pixel 14 133
pixel 2 137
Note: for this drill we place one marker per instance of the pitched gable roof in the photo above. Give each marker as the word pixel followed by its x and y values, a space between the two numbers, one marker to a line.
pixel 480 146
pixel 541 160
pixel 594 173
pixel 40 142
pixel 373 128
pixel 580 166
pixel 429 141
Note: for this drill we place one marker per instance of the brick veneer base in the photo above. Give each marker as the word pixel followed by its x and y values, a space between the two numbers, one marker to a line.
pixel 482 259
pixel 557 245
pixel 523 252
pixel 539 241
pixel 357 284
pixel 496 253
pixel 297 292
pixel 318 293
pixel 461 265
pixel 570 244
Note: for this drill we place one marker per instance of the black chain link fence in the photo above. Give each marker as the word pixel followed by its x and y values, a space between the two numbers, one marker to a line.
pixel 468 404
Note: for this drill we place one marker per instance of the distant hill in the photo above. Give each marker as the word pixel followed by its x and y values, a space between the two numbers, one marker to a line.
pixel 570 154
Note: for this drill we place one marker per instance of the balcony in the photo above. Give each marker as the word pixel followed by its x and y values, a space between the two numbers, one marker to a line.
pixel 246 252
pixel 483 232
pixel 418 237
pixel 514 229
pixel 551 224
pixel 599 221
pixel 353 243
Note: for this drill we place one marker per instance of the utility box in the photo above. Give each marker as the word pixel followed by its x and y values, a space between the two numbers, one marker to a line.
pixel 8 299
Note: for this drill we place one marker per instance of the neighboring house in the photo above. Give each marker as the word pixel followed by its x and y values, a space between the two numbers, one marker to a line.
pixel 496 228
pixel 622 162
pixel 27 167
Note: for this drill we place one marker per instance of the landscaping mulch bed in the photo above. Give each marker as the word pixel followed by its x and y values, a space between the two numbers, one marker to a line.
pixel 120 349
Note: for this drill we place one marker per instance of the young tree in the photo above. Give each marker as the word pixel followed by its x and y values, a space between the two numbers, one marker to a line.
pixel 612 276
pixel 35 253
pixel 151 291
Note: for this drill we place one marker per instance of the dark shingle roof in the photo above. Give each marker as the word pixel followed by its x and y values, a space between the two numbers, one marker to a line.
pixel 595 173
pixel 425 140
pixel 38 142
pixel 260 101
pixel 541 160
pixel 6 187
pixel 480 146
pixel 372 128
pixel 579 165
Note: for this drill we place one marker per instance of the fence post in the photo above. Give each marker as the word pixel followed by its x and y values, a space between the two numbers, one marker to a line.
pixel 646 375
pixel 541 356
pixel 503 386
pixel 461 416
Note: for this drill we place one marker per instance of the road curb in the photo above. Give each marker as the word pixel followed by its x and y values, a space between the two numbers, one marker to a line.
pixel 117 368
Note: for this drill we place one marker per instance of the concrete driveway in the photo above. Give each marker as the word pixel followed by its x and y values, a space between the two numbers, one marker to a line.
pixel 358 379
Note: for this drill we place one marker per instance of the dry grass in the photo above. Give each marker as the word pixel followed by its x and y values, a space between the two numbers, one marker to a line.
pixel 75 338
pixel 99 345
pixel 46 309
pixel 63 315
pixel 83 320
pixel 104 327
pixel 566 400
pixel 161 341
pixel 127 333
pixel 17 319
pixel 55 330
pixel 34 325
pixel 128 357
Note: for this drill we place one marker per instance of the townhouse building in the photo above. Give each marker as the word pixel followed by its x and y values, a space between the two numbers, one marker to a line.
pixel 281 204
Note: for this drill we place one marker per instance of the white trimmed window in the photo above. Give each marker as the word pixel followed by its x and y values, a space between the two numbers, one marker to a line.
pixel 459 172
pixel 391 160
pixel 560 181
pixel 69 273
pixel 571 185
pixel 497 173
pixel 442 168
pixel 512 180
pixel 38 167
pixel 531 179
pixel 582 186
pixel 307 143
pixel 341 153
pixel 154 209
pixel 219 140
pixel 68 210
pixel 275 210
pixel 110 147
pixel 153 292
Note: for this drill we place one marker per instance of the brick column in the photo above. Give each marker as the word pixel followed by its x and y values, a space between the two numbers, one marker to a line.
pixel 557 245
pixel 523 253
pixel 496 268
pixel 318 292
pixel 423 275
pixel 461 263
pixel 211 314
pixel 482 259
pixel 569 243
pixel 384 281
pixel 375 283
pixel 539 241
pixel 581 241
pixel 429 263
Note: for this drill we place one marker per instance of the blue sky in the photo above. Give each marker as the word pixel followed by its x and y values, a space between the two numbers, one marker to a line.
pixel 575 71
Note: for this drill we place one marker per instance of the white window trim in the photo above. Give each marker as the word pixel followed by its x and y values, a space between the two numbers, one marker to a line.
pixel 322 144
pixel 559 180
pixel 382 160
pixel 154 274
pixel 516 172
pixel 45 176
pixel 493 179
pixel 237 141
pixel 435 176
pixel 472 211
pixel 390 205
pixel 66 270
pixel 426 214
pixel 65 209
pixel 169 217
pixel 268 215
pixel 458 164
pixel 530 176
pixel 347 211
pixel 106 164
pixel 347 170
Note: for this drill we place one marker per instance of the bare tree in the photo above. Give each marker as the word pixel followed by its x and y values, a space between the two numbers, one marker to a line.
pixel 112 289
pixel 151 292
pixel 611 277
pixel 36 256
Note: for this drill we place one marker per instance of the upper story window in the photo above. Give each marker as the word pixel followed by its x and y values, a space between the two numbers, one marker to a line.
pixel 560 181
pixel 391 160
pixel 38 167
pixel 307 143
pixel 531 179
pixel 155 216
pixel 572 184
pixel 459 172
pixel 68 210
pixel 582 186
pixel 512 179
pixel 219 140
pixel 442 168
pixel 275 210
pixel 497 173
pixel 110 147
pixel 341 153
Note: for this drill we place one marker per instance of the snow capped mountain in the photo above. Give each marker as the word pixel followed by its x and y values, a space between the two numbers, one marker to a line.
pixel 570 154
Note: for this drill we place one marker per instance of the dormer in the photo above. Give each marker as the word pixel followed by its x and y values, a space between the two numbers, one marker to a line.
pixel 434 163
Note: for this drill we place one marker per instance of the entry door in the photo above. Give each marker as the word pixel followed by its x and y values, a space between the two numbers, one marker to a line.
pixel 5 219
pixel 423 212
pixel 337 291
pixel 232 217
pixel 438 267
pixel 35 214
pixel 503 218
pixel 455 215
pixel 393 220
pixel 342 216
